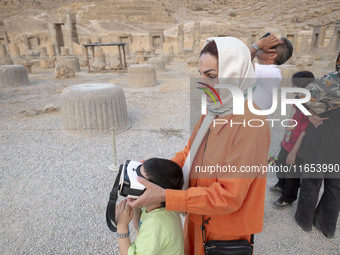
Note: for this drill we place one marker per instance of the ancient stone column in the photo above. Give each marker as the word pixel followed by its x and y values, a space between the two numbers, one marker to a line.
pixel 171 50
pixel 93 108
pixel 322 36
pixel 141 76
pixel 114 62
pixel 99 59
pixel 51 50
pixel 180 40
pixel 3 51
pixel 13 76
pixel 43 52
pixel 304 43
pixel 14 51
pixel 72 63
pixel 197 39
pixel 64 51
pixel 140 56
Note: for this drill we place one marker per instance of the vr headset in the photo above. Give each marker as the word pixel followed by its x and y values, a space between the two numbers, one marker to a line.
pixel 126 185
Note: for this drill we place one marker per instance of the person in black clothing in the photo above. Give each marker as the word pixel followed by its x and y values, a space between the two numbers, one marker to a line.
pixel 289 183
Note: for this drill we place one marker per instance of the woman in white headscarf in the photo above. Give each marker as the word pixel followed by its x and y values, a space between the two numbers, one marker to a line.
pixel 231 201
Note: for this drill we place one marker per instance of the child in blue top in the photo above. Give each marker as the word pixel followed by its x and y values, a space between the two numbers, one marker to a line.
pixel 159 231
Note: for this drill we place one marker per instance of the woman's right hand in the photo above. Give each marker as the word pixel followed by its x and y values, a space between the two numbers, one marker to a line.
pixel 316 120
pixel 153 194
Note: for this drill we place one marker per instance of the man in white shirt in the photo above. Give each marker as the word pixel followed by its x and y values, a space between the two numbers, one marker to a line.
pixel 270 52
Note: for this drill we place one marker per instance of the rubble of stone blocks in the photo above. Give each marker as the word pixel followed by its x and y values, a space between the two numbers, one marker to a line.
pixel 93 108
pixel 64 72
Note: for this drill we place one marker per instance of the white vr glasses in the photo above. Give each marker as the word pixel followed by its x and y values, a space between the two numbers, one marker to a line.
pixel 128 184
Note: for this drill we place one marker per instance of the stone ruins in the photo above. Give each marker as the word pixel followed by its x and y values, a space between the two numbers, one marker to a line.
pixel 141 38
pixel 152 30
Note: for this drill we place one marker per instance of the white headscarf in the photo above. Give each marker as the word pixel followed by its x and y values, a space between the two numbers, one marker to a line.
pixel 234 64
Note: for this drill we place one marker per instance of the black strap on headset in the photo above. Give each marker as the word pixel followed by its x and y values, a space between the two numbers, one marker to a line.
pixel 111 205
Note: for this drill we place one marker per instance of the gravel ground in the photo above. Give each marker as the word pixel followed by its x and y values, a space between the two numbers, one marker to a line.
pixel 54 187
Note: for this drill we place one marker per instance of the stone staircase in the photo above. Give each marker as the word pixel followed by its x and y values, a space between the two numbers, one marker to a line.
pixel 129 11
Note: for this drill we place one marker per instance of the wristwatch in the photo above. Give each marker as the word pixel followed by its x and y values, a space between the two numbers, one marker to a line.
pixel 255 46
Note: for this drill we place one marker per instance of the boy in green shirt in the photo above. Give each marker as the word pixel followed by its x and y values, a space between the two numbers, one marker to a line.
pixel 159 231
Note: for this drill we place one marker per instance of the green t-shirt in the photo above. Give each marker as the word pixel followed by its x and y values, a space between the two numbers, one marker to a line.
pixel 160 233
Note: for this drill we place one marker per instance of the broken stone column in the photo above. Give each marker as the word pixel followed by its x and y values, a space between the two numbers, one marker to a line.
pixel 114 62
pixel 13 76
pixel 14 51
pixel 64 51
pixel 72 63
pixel 158 63
pixel 68 61
pixel 304 43
pixel 51 50
pixel 180 40
pixel 140 56
pixel 93 108
pixel 99 59
pixel 43 52
pixel 334 45
pixel 197 38
pixel 3 51
pixel 141 76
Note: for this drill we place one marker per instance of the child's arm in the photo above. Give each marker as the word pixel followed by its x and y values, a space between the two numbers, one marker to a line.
pixel 292 155
pixel 124 214
pixel 136 217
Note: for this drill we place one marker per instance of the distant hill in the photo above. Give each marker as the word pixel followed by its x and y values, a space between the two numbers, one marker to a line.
pixel 22 16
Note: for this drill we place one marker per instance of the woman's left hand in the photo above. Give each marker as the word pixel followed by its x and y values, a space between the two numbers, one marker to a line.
pixel 153 194
pixel 290 160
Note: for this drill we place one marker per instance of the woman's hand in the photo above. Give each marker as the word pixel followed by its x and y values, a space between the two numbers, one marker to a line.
pixel 124 214
pixel 316 120
pixel 290 160
pixel 153 194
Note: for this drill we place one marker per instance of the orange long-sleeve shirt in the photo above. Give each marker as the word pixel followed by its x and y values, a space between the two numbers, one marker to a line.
pixel 235 205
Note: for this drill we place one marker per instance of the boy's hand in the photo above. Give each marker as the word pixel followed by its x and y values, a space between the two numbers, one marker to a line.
pixel 124 214
pixel 290 160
